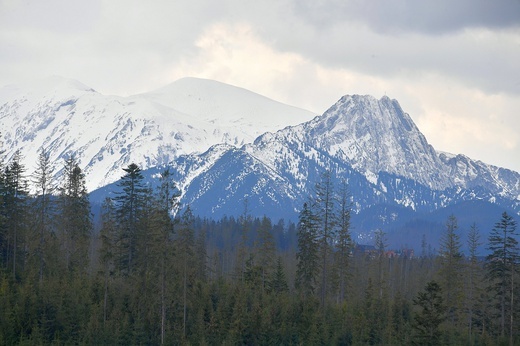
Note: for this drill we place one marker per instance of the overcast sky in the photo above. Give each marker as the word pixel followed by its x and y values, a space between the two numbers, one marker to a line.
pixel 454 65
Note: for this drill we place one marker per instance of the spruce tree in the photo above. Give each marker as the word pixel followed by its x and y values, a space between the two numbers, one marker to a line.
pixel 166 205
pixel 43 206
pixel 265 248
pixel 129 202
pixel 344 240
pixel 501 266
pixel 184 252
pixel 308 252
pixel 326 213
pixel 451 268
pixel 430 316
pixel 278 281
pixel 473 275
pixel 242 250
pixel 16 211
pixel 75 218
pixel 380 243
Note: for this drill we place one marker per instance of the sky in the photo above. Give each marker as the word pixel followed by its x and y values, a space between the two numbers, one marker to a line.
pixel 454 66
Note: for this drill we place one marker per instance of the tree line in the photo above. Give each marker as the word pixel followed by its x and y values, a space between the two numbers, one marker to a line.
pixel 149 271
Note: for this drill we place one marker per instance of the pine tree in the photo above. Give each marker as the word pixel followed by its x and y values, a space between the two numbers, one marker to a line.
pixel 75 218
pixel 16 211
pixel 325 211
pixel 278 281
pixel 242 251
pixel 451 268
pixel 44 207
pixel 308 252
pixel 265 250
pixel 380 243
pixel 473 274
pixel 167 204
pixel 184 253
pixel 430 316
pixel 129 203
pixel 501 267
pixel 344 240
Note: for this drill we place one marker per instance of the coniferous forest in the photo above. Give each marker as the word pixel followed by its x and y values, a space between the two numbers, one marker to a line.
pixel 148 271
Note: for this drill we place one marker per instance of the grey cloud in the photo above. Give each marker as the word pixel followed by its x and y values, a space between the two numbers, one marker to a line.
pixel 426 17
pixel 392 38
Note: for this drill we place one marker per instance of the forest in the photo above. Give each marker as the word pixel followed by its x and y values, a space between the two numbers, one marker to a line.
pixel 148 271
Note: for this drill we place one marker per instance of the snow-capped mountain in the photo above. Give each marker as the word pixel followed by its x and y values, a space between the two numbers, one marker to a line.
pixel 371 143
pixel 107 133
pixel 376 137
pixel 226 144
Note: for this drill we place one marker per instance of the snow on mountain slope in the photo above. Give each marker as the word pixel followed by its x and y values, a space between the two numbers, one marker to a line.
pixel 377 136
pixel 106 133
pixel 377 139
pixel 371 143
pixel 228 107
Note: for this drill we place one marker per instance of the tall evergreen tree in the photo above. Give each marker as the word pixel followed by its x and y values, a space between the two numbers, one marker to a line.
pixel 344 240
pixel 75 218
pixel 242 250
pixel 167 205
pixel 184 252
pixel 473 275
pixel 278 281
pixel 129 203
pixel 16 211
pixel 430 316
pixel 326 213
pixel 265 250
pixel 451 268
pixel 43 206
pixel 501 266
pixel 308 252
pixel 380 242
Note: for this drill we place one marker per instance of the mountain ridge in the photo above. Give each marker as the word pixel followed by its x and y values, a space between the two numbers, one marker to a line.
pixel 108 132
pixel 372 143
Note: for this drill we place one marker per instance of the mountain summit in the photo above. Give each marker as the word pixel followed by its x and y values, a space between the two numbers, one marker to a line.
pixel 106 133
pixel 226 144
pixel 377 136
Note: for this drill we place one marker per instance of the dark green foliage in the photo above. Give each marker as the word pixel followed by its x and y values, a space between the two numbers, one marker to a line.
pixel 451 270
pixel 327 220
pixel 180 283
pixel 432 312
pixel 307 255
pixel 43 208
pixel 501 265
pixel 130 204
pixel 15 214
pixel 278 282
pixel 74 218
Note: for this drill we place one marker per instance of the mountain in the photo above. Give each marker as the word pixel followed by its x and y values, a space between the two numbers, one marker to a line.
pixel 226 145
pixel 277 173
pixel 107 133
pixel 371 143
pixel 398 181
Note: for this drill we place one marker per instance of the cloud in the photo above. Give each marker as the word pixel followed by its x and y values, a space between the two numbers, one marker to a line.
pixel 452 65
pixel 432 17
